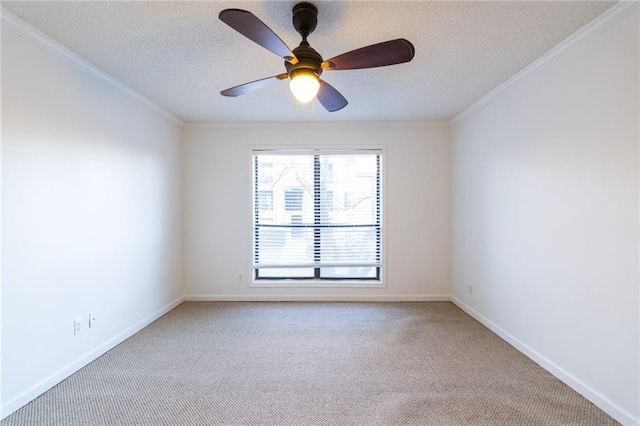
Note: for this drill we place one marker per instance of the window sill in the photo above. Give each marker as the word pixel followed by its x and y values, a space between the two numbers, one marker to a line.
pixel 316 284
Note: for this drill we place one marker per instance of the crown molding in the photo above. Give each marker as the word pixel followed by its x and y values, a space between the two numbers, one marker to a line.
pixel 603 22
pixel 37 37
pixel 425 124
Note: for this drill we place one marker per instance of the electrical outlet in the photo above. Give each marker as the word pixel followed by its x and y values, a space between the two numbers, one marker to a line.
pixel 92 320
pixel 470 289
pixel 240 277
pixel 77 325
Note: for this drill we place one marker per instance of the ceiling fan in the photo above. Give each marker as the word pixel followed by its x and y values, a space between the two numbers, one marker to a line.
pixel 304 65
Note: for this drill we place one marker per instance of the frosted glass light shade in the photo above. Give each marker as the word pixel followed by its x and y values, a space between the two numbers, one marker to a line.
pixel 304 87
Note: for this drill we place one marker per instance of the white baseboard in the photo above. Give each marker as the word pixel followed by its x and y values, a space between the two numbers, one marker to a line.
pixel 318 298
pixel 576 384
pixel 49 382
pixel 599 400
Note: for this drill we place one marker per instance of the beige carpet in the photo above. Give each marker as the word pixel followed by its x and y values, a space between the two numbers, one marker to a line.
pixel 312 363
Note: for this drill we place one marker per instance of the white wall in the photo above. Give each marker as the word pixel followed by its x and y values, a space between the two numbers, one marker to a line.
pixel 545 216
pixel 91 217
pixel 218 212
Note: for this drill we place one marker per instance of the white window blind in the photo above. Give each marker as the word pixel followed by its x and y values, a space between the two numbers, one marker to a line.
pixel 323 220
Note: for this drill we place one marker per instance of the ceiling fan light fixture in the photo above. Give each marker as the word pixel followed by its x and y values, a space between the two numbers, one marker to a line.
pixel 304 85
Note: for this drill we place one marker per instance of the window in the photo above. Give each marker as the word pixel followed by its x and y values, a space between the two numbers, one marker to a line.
pixel 266 173
pixel 293 199
pixel 300 233
pixel 296 232
pixel 265 200
pixel 348 201
pixel 327 200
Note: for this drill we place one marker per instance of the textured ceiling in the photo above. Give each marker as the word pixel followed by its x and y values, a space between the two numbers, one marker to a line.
pixel 180 55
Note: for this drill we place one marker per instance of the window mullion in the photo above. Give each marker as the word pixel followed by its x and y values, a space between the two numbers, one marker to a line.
pixel 378 214
pixel 316 215
pixel 256 213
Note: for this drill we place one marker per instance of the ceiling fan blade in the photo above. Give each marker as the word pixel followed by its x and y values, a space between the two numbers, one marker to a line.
pixel 247 24
pixel 330 98
pixel 377 55
pixel 245 88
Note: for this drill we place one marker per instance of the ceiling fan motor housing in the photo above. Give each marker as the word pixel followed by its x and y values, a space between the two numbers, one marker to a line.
pixel 305 18
pixel 308 60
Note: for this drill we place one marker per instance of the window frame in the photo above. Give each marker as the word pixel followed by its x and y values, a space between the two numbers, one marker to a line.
pixel 317 280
